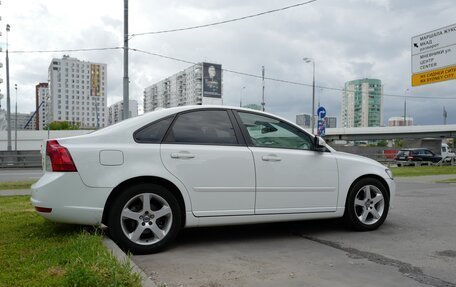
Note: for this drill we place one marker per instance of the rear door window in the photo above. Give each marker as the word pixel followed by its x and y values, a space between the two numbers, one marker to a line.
pixel 203 127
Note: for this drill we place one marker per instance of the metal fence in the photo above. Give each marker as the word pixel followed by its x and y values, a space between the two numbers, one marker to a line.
pixel 20 158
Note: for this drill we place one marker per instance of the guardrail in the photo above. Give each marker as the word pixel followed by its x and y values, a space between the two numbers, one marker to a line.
pixel 21 158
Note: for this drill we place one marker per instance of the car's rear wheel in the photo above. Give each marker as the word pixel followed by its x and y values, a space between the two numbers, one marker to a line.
pixel 144 218
pixel 367 205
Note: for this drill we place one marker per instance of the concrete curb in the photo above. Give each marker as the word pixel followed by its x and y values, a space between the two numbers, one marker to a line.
pixel 425 178
pixel 121 256
pixel 15 192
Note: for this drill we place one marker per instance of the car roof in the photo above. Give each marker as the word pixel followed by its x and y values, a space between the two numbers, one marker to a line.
pixel 117 131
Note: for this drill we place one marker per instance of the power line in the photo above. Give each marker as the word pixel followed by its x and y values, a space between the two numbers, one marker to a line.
pixel 65 50
pixel 284 81
pixel 162 56
pixel 224 21
pixel 223 69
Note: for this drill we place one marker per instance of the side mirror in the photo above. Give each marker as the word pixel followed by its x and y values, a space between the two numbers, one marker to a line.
pixel 319 144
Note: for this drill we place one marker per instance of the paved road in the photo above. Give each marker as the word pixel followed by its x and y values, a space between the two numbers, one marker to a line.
pixel 20 174
pixel 415 247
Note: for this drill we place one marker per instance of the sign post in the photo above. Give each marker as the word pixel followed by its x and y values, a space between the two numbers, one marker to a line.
pixel 434 56
pixel 321 112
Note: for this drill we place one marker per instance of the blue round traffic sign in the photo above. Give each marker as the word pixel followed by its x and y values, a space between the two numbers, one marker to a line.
pixel 321 112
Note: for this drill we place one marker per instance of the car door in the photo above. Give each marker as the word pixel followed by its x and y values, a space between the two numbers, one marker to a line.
pixel 208 155
pixel 430 156
pixel 290 176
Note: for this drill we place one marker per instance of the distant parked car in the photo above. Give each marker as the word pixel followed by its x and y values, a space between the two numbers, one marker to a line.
pixel 416 156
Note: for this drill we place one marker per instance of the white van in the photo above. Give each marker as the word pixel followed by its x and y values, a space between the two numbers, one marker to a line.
pixel 448 154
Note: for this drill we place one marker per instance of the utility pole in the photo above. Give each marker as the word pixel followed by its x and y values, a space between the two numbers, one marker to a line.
pixel 126 81
pixel 240 97
pixel 445 115
pixel 8 100
pixel 15 122
pixel 405 107
pixel 313 97
pixel 262 98
pixel 312 115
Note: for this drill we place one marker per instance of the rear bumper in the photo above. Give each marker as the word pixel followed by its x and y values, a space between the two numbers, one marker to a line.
pixel 69 199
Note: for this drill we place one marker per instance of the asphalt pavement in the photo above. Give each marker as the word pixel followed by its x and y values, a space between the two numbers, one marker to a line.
pixel 415 247
pixel 20 174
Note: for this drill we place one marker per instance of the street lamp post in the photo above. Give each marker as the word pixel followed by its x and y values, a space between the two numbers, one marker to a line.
pixel 15 121
pixel 405 107
pixel 240 97
pixel 8 100
pixel 312 117
pixel 126 80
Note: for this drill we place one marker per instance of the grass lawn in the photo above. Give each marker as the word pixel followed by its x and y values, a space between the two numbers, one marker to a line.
pixel 36 252
pixel 423 170
pixel 16 184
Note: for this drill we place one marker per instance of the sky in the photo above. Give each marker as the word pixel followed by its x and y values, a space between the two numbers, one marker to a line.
pixel 348 40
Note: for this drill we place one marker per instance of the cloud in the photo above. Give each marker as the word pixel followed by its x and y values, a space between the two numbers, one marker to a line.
pixel 348 40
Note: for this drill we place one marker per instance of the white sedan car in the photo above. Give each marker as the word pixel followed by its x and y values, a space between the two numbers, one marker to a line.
pixel 148 177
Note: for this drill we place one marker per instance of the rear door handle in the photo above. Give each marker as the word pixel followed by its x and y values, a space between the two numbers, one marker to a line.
pixel 182 155
pixel 271 158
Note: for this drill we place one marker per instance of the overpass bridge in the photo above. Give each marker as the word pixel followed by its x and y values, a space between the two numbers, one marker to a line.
pixel 387 133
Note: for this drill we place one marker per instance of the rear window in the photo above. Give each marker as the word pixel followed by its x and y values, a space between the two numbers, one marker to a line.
pixel 153 133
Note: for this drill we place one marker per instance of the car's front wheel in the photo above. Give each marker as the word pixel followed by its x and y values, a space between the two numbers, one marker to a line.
pixel 145 218
pixel 367 205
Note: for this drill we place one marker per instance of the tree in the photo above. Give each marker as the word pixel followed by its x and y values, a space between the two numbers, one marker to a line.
pixel 382 143
pixel 399 143
pixel 56 125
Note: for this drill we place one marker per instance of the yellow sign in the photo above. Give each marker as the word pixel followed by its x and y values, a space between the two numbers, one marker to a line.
pixel 429 77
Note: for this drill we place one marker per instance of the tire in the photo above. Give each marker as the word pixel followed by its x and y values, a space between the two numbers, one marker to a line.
pixel 141 227
pixel 363 212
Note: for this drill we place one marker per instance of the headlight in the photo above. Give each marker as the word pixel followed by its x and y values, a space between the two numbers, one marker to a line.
pixel 389 173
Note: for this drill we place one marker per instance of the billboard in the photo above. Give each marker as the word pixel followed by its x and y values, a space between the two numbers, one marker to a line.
pixel 212 80
pixel 95 80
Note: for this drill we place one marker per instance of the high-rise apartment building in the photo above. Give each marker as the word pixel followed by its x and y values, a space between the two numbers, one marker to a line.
pixel 331 122
pixel 304 120
pixel 77 92
pixel 253 107
pixel 24 121
pixel 115 111
pixel 400 121
pixel 362 103
pixel 200 84
pixel 41 93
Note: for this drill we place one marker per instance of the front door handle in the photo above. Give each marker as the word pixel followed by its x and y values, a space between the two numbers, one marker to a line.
pixel 271 158
pixel 182 155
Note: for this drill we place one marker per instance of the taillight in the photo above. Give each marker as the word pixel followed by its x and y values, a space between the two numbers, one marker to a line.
pixel 59 157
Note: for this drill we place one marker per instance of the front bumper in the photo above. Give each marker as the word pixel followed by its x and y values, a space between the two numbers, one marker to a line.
pixel 69 199
pixel 392 190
